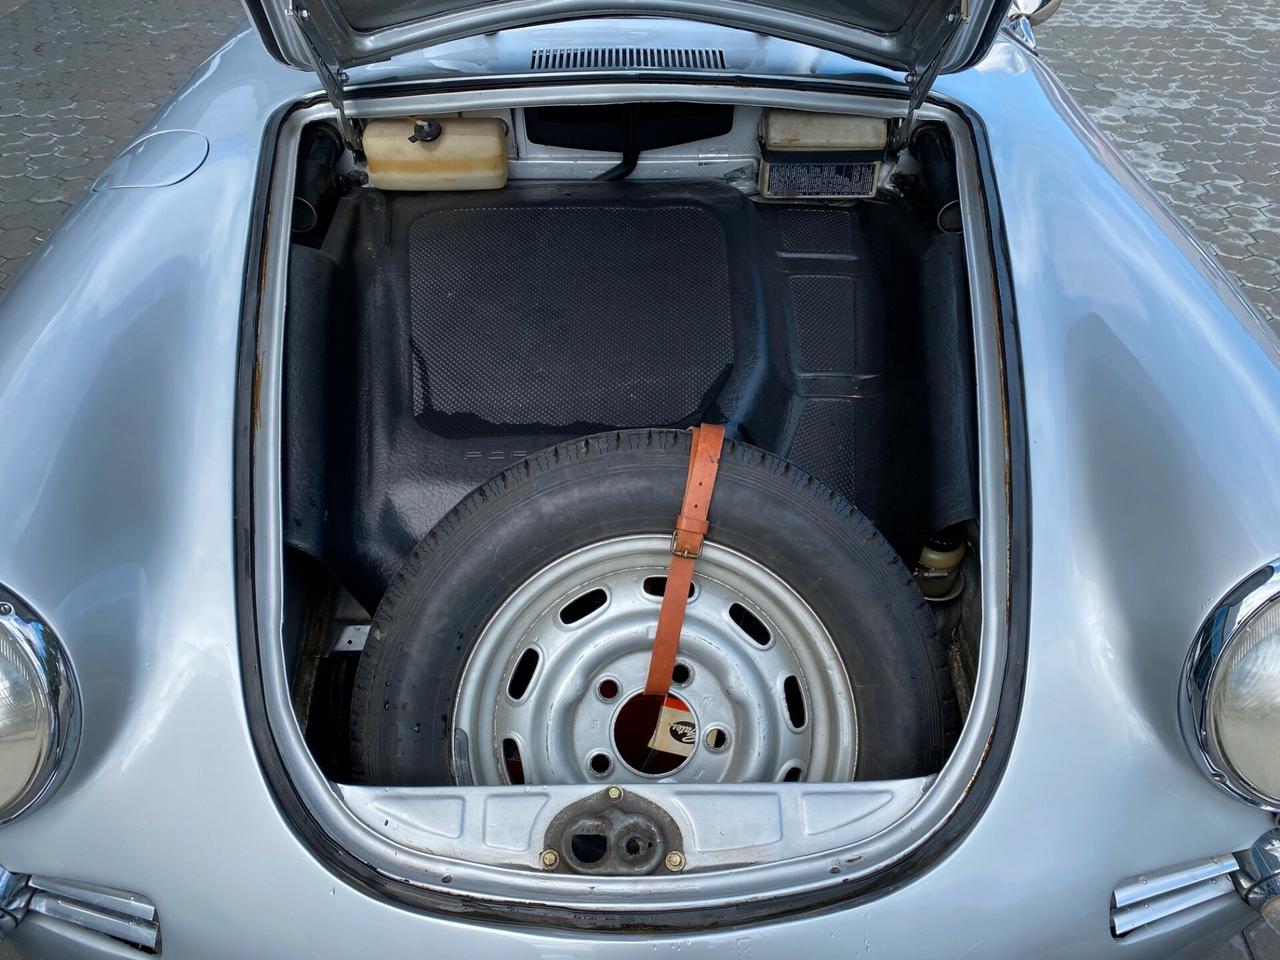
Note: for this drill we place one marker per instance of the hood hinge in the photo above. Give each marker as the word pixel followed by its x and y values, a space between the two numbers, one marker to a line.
pixel 920 79
pixel 332 76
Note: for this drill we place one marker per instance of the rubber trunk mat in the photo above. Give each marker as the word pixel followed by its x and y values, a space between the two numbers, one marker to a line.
pixel 579 313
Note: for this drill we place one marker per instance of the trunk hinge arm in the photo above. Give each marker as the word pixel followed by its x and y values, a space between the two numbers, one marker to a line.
pixel 921 78
pixel 332 76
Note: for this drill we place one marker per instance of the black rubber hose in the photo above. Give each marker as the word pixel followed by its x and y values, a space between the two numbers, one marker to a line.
pixel 630 148
pixel 622 170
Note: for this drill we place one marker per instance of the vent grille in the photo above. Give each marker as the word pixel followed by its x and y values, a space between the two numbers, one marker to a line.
pixel 627 58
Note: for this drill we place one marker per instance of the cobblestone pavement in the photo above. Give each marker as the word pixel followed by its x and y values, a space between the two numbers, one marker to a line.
pixel 78 78
pixel 1190 92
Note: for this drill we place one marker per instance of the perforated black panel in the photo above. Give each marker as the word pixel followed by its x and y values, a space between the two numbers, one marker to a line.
pixel 554 315
pixel 825 444
pixel 814 230
pixel 826 317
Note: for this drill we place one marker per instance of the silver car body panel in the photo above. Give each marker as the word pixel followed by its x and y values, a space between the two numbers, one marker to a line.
pixel 1152 401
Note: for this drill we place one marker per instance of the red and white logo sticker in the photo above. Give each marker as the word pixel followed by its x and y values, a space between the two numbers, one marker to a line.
pixel 676 732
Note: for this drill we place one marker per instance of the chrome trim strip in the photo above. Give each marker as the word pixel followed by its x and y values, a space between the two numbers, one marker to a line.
pixel 1164 881
pixel 118 914
pixel 104 898
pixel 130 930
pixel 1210 646
pixel 1253 874
pixel 1128 919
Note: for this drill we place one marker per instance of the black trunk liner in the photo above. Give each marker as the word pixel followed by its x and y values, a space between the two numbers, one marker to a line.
pixel 439 338
pixel 565 317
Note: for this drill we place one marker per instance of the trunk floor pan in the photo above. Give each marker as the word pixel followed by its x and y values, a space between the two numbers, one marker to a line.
pixel 461 332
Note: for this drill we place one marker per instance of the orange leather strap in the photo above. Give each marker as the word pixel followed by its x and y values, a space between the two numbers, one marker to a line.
pixel 686 547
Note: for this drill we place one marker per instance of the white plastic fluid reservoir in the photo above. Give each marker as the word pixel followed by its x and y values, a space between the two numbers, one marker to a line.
pixel 451 153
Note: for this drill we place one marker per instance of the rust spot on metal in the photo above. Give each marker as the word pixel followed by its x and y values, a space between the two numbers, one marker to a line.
pixel 982 761
pixel 255 403
pixel 263 260
pixel 1007 428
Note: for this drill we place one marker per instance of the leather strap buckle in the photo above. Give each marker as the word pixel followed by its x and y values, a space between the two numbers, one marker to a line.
pixel 682 551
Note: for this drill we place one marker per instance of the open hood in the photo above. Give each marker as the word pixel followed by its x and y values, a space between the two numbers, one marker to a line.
pixel 918 37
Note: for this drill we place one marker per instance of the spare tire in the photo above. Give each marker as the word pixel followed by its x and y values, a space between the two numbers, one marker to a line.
pixel 518 630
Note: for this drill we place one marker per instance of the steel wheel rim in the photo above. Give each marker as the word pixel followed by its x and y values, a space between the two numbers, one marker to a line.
pixel 561 721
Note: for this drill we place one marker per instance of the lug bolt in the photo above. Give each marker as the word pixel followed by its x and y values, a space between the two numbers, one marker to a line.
pixel 6 609
pixel 550 859
pixel 614 794
pixel 675 861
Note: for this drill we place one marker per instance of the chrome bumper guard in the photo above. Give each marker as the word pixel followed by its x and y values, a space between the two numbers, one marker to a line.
pixel 122 916
pixel 1160 899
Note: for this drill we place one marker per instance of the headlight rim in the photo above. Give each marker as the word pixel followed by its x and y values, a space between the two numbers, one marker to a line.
pixel 1213 641
pixel 58 687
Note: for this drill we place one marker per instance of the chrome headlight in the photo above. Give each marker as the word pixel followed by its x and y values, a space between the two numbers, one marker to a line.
pixel 39 712
pixel 1231 691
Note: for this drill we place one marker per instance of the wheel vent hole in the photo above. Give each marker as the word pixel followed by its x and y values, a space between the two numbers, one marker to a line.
pixel 522 675
pixel 582 607
pixel 681 674
pixel 600 764
pixel 589 848
pixel 750 624
pixel 717 739
pixel 512 762
pixel 794 697
pixel 608 690
pixel 657 587
pixel 793 774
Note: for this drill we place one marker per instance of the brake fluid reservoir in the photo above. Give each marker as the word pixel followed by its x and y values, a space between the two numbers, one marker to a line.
pixel 452 153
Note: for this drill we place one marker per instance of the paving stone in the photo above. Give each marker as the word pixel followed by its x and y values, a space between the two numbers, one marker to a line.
pixel 14 243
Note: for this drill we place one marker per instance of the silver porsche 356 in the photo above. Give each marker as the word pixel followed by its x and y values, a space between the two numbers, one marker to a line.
pixel 759 478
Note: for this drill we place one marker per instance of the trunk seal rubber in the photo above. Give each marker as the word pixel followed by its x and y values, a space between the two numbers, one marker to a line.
pixel 366 878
